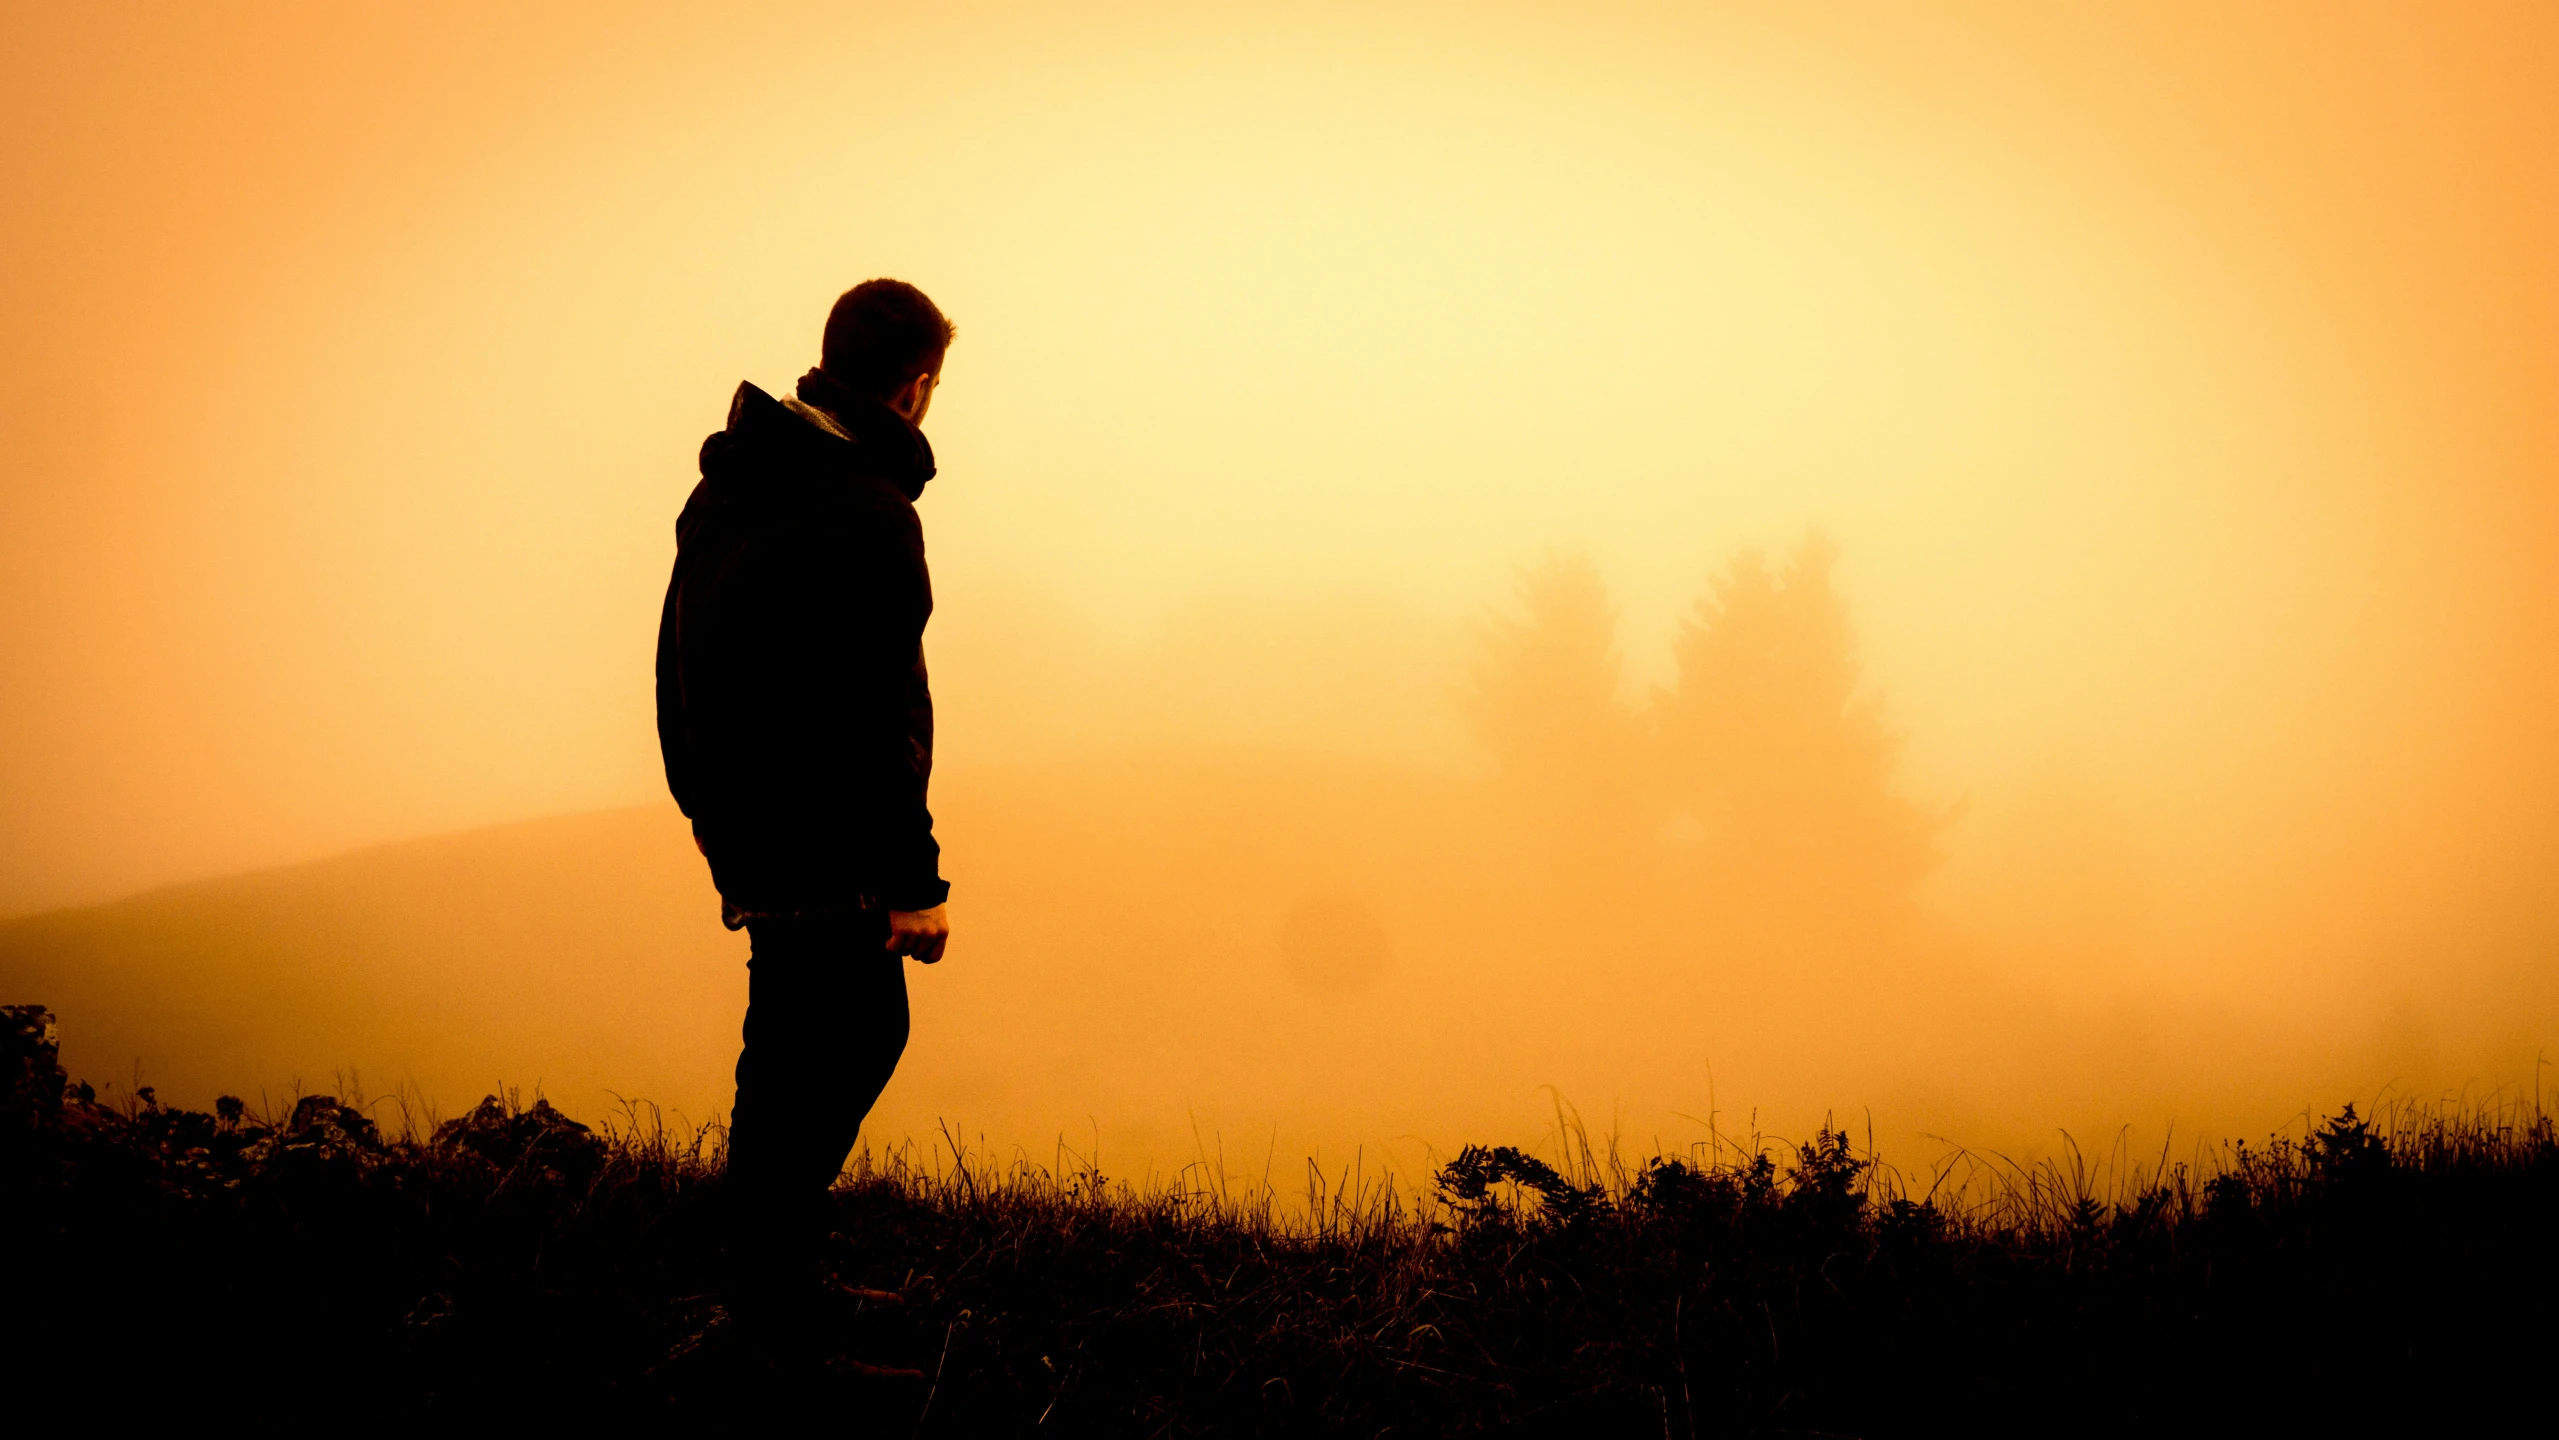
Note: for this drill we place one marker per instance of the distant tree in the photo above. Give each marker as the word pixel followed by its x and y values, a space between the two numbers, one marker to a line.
pixel 1544 698
pixel 1768 745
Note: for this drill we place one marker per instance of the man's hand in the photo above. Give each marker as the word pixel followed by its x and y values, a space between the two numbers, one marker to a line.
pixel 920 933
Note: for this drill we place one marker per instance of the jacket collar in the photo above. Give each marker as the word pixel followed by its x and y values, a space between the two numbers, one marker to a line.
pixel 891 446
pixel 863 440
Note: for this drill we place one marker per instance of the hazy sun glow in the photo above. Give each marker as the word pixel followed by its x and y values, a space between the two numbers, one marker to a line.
pixel 2178 389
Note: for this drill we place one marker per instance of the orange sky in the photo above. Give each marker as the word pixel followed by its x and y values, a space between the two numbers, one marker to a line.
pixel 2177 385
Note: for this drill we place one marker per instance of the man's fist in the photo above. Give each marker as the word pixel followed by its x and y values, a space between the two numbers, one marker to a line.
pixel 920 933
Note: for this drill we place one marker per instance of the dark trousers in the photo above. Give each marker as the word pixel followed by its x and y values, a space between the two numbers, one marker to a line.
pixel 825 1024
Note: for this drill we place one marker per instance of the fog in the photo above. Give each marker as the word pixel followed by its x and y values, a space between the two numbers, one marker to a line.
pixel 1989 572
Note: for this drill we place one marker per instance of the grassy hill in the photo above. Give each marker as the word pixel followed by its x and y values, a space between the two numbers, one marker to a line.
pixel 512 1267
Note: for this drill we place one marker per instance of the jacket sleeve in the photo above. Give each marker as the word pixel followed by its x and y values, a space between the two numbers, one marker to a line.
pixel 881 599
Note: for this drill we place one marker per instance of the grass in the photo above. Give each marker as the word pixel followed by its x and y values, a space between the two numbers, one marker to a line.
pixel 2375 1271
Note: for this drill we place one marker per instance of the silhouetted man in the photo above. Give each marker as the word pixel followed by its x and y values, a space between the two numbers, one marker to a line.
pixel 798 736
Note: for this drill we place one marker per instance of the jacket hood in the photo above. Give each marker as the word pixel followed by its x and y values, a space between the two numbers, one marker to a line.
pixel 868 439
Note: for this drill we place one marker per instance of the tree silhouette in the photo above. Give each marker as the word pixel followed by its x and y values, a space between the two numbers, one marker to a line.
pixel 1786 769
pixel 1544 699
pixel 1773 771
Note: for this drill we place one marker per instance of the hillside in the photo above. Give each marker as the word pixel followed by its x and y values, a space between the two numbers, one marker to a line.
pixel 1134 938
pixel 1244 958
pixel 581 952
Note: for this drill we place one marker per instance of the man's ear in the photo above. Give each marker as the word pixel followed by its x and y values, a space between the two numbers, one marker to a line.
pixel 911 398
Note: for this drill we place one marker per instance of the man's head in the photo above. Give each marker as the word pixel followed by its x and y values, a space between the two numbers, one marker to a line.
pixel 884 339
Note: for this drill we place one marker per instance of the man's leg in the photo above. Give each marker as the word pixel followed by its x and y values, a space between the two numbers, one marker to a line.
pixel 826 1021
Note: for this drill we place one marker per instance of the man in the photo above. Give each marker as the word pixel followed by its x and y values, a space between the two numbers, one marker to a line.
pixel 798 736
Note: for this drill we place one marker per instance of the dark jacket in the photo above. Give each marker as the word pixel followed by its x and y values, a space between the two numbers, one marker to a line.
pixel 792 703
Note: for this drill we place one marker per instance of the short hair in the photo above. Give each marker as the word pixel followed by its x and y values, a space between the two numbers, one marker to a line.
pixel 882 334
